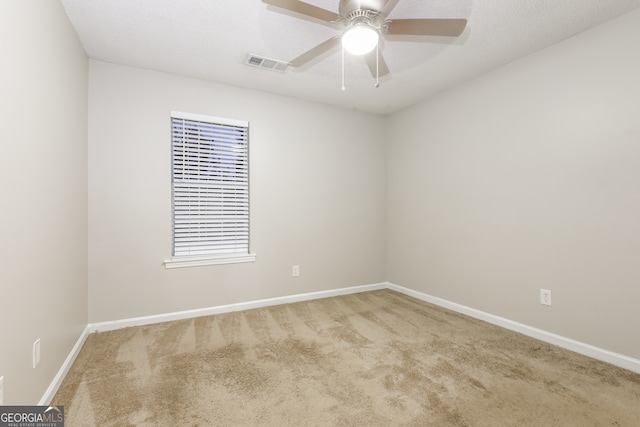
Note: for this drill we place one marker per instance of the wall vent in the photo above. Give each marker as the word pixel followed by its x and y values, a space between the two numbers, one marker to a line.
pixel 269 64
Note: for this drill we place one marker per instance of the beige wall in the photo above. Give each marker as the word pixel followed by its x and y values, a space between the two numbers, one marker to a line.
pixel 529 178
pixel 317 195
pixel 43 169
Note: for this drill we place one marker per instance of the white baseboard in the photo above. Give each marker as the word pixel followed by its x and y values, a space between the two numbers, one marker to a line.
pixel 567 343
pixel 57 380
pixel 551 338
pixel 188 314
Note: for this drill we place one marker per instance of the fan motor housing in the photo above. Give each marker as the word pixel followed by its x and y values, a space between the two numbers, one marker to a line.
pixel 348 6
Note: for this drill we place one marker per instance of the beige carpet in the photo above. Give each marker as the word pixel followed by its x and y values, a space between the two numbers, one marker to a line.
pixel 371 359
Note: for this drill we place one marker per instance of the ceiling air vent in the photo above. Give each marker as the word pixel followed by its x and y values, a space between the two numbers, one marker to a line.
pixel 269 64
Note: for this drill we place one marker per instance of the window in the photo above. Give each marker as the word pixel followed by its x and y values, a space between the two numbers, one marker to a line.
pixel 210 190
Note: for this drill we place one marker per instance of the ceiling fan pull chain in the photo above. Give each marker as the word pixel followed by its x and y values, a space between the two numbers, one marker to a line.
pixel 343 86
pixel 377 66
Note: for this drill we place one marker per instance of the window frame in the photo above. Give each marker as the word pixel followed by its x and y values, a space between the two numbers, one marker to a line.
pixel 177 261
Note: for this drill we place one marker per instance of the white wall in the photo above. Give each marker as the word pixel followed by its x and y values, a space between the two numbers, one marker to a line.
pixel 317 195
pixel 529 178
pixel 43 169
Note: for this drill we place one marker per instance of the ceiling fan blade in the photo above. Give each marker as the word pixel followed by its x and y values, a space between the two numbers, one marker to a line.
pixel 382 69
pixel 388 7
pixel 426 27
pixel 315 52
pixel 304 9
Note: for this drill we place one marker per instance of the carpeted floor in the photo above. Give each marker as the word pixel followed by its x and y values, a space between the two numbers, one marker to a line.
pixel 371 359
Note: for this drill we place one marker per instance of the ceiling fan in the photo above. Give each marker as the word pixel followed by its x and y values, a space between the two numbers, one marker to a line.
pixel 363 22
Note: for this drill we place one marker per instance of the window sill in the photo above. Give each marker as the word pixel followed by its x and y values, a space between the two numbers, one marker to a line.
pixel 181 262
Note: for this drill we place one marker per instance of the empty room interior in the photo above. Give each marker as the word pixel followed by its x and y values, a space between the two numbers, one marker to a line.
pixel 494 174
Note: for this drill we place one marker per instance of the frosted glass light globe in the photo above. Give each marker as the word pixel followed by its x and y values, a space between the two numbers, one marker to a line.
pixel 360 39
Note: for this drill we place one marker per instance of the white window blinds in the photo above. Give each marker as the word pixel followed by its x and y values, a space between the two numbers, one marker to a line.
pixel 210 185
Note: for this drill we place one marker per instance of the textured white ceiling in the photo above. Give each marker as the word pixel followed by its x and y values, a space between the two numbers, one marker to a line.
pixel 210 40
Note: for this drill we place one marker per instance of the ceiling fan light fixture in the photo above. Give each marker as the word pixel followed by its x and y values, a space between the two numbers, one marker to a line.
pixel 360 39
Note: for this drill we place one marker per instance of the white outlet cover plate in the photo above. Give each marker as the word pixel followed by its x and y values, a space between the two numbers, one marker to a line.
pixel 36 353
pixel 545 297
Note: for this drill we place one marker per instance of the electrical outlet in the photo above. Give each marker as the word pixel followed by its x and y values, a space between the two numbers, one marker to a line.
pixel 36 353
pixel 545 297
pixel 1 391
pixel 295 271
